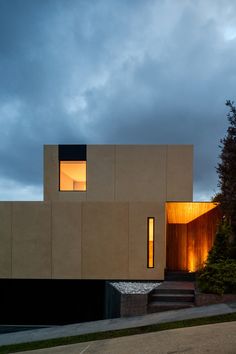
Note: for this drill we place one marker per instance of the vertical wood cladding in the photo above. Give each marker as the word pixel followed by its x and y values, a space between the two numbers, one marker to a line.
pixel 201 236
pixel 176 255
pixel 189 244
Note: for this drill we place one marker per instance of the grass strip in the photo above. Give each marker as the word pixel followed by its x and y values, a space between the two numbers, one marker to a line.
pixel 14 348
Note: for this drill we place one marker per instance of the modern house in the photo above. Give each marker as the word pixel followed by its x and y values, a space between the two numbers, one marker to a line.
pixel 110 212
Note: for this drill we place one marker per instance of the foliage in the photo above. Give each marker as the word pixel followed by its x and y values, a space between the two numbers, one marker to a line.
pixel 232 250
pixel 216 198
pixel 218 275
pixel 220 250
pixel 218 278
pixel 226 169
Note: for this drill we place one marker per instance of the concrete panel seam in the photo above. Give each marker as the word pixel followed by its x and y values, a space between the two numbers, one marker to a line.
pixel 51 240
pixel 87 185
pixel 193 167
pixel 11 213
pixel 81 240
pixel 166 170
pixel 128 270
pixel 115 170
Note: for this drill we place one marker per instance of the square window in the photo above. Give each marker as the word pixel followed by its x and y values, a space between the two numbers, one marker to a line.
pixel 72 175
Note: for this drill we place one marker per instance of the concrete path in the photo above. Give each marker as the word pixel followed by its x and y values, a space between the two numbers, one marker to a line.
pixel 116 323
pixel 217 338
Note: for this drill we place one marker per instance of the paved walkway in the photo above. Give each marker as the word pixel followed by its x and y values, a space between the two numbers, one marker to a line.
pixel 217 338
pixel 116 323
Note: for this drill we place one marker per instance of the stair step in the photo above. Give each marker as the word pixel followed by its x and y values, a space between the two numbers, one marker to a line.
pixel 167 306
pixel 179 276
pixel 172 297
pixel 160 290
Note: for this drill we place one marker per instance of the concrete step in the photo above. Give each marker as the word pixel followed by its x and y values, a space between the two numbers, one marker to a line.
pixel 171 295
pixel 168 297
pixel 167 306
pixel 179 276
pixel 160 290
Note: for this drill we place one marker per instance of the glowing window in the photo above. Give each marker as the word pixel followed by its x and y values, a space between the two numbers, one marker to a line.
pixel 72 175
pixel 150 242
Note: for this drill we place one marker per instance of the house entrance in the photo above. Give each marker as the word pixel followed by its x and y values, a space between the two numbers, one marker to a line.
pixel 191 229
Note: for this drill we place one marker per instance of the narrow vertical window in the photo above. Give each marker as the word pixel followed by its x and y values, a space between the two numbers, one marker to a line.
pixel 150 242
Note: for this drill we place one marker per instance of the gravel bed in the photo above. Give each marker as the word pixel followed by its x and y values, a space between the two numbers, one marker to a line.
pixel 128 287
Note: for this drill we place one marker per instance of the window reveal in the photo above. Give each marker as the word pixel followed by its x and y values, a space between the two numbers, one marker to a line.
pixel 150 242
pixel 72 175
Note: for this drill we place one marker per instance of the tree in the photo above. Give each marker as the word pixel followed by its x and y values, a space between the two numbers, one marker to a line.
pixel 226 170
pixel 221 248
pixel 218 274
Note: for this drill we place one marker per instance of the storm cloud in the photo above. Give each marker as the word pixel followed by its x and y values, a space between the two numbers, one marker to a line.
pixel 113 71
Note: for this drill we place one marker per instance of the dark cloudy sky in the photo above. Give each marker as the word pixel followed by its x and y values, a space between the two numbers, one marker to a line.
pixel 113 71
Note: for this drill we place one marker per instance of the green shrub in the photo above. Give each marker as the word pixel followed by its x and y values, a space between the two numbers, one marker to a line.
pixel 232 251
pixel 218 278
pixel 221 248
pixel 218 275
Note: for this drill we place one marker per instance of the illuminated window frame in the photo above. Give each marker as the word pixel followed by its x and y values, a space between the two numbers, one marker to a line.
pixel 73 153
pixel 150 241
pixel 60 177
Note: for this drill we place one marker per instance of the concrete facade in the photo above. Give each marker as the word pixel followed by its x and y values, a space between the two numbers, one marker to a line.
pixel 150 173
pixel 80 240
pixel 100 233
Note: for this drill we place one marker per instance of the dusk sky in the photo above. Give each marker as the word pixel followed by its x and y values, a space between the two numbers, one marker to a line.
pixel 113 72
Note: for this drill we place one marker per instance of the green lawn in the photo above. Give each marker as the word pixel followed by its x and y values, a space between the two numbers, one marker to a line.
pixel 14 348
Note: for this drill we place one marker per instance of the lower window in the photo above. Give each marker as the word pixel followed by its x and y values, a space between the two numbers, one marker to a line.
pixel 72 175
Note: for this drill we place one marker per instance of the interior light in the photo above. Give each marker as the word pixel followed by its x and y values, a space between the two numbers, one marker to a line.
pixel 150 245
pixel 72 175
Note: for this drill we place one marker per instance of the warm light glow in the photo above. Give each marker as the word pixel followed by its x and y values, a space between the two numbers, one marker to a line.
pixel 191 262
pixel 151 242
pixel 151 255
pixel 205 250
pixel 195 261
pixel 191 228
pixel 72 175
pixel 150 228
pixel 185 212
